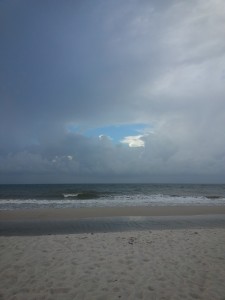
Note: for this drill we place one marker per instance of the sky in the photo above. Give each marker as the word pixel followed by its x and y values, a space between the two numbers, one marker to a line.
pixel 112 91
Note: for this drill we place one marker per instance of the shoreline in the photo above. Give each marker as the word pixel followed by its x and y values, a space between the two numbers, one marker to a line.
pixel 100 212
pixel 99 220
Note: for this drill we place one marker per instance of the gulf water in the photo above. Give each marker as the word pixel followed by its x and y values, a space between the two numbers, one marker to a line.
pixel 108 195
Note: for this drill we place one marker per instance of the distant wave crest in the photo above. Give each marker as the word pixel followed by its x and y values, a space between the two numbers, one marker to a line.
pixel 70 195
pixel 82 195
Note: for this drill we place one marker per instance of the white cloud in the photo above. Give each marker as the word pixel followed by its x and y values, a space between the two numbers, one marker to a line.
pixel 134 141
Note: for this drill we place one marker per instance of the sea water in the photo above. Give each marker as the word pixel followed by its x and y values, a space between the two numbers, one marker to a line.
pixel 108 195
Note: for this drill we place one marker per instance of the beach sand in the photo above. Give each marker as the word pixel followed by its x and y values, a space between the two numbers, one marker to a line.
pixel 157 264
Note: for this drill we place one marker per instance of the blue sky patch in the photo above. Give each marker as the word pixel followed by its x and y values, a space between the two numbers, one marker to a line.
pixel 115 132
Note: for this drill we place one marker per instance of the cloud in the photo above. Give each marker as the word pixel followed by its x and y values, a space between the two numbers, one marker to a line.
pixel 134 141
pixel 78 158
pixel 108 65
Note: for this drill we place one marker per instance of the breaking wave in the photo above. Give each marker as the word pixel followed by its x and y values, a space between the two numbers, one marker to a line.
pixel 82 195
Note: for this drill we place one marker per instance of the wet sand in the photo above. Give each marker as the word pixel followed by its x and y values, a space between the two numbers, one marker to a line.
pixel 79 213
pixel 87 220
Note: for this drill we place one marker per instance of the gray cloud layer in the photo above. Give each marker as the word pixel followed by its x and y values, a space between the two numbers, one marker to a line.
pixel 99 63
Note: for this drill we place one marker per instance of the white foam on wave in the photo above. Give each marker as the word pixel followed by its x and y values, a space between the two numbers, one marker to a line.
pixel 70 195
pixel 34 201
pixel 112 201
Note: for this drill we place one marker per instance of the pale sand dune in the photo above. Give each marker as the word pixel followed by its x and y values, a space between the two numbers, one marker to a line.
pixel 168 264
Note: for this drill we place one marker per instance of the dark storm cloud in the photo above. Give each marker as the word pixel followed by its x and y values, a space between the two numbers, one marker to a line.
pixel 99 63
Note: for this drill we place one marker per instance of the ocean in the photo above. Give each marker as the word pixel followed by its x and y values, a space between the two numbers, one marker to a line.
pixel 35 196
